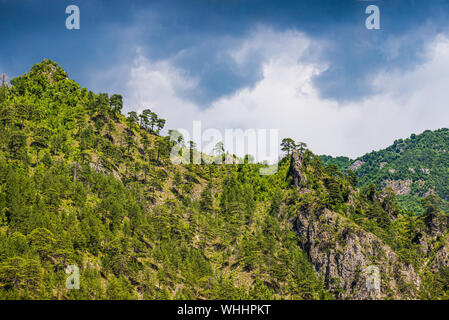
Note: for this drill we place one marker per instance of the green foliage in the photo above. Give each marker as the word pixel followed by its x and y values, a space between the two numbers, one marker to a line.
pixel 422 158
pixel 341 162
pixel 82 184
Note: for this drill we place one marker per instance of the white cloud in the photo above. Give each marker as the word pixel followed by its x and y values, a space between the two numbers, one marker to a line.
pixel 158 86
pixel 285 98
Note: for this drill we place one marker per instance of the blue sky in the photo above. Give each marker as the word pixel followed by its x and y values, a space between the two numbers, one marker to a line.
pixel 209 52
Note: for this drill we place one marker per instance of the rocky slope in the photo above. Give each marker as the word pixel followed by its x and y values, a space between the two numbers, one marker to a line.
pixel 348 256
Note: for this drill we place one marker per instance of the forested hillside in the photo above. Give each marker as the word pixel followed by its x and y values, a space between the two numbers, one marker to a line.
pixel 82 184
pixel 414 167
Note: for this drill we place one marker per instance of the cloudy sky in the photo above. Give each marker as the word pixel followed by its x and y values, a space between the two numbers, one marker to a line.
pixel 308 68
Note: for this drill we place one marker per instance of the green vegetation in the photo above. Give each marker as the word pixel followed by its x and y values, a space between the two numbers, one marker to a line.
pixel 82 184
pixel 422 158
pixel 419 165
pixel 341 162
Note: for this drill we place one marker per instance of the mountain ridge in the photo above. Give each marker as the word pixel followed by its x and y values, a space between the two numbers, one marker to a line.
pixel 82 184
pixel 414 167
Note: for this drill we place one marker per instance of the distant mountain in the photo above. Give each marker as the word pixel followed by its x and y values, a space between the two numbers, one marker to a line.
pixel 414 167
pixel 341 162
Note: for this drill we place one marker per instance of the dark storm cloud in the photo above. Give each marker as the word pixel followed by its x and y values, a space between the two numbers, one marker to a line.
pixel 197 35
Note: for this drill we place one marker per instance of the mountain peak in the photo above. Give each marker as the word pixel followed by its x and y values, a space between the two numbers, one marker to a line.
pixel 50 69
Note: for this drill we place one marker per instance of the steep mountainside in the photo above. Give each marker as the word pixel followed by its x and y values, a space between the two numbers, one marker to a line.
pixel 347 233
pixel 81 184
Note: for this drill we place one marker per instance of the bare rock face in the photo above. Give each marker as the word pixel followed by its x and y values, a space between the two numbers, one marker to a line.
pixel 399 186
pixel 296 169
pixel 357 164
pixel 355 264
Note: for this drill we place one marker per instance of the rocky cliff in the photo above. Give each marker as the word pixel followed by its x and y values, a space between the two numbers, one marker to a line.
pixel 354 263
